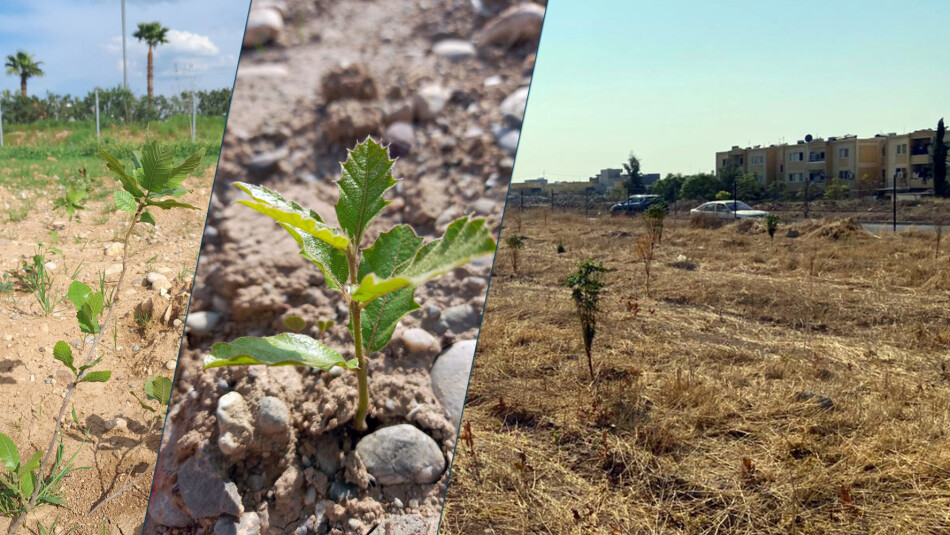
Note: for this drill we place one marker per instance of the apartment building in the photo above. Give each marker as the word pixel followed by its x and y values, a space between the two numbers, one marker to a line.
pixel 864 164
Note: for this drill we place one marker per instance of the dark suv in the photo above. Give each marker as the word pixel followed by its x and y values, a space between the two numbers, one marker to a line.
pixel 637 203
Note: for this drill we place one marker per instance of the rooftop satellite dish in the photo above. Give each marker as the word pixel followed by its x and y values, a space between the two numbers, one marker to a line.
pixel 808 138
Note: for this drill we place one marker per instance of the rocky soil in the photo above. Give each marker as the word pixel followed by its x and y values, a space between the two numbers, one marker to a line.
pixel 271 450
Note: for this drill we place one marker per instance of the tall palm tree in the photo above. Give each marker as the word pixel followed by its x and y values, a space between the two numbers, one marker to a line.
pixel 24 65
pixel 154 34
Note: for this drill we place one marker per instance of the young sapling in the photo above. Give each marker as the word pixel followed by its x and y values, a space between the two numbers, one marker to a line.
pixel 515 244
pixel 377 283
pixel 771 225
pixel 654 217
pixel 586 284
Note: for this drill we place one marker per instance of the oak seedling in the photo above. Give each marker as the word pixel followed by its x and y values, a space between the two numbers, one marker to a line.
pixel 377 283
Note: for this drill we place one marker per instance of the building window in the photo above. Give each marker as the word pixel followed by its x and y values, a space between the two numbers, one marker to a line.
pixel 816 156
pixel 900 172
pixel 902 148
pixel 845 175
pixel 844 152
pixel 796 156
pixel 795 177
pixel 815 176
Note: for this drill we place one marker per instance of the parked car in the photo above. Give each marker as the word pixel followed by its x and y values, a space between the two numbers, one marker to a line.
pixel 728 210
pixel 637 203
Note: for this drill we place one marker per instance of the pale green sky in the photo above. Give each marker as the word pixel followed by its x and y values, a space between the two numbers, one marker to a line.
pixel 675 81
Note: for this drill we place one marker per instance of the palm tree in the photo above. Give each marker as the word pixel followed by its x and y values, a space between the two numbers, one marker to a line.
pixel 154 34
pixel 23 64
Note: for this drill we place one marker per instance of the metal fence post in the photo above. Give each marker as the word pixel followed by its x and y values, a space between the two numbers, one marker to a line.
pixel 194 113
pixel 97 113
pixel 1 122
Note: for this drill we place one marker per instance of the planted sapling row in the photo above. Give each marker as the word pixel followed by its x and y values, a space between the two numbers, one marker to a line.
pixel 377 283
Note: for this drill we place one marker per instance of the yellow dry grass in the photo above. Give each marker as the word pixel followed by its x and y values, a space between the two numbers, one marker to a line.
pixel 708 414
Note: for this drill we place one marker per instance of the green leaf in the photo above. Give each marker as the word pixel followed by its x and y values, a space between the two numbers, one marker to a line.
pixel 63 353
pixel 367 175
pixel 157 164
pixel 141 403
pixel 88 322
pixel 124 201
pixel 389 256
pixel 181 172
pixel 27 483
pixel 127 180
pixel 147 218
pixel 464 239
pixel 159 389
pixel 331 261
pixel 9 455
pixel 170 203
pixel 295 323
pixel 96 377
pixel 274 205
pixel 34 461
pixel 75 418
pixel 78 293
pixel 287 349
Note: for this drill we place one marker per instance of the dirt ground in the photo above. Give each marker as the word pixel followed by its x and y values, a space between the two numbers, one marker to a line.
pixel 796 388
pixel 32 383
pixel 339 72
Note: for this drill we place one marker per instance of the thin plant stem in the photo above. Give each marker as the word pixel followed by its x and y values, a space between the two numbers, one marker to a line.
pixel 72 386
pixel 362 374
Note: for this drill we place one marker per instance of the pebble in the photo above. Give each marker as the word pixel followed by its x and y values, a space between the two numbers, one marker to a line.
pixel 430 101
pixel 234 424
pixel 268 70
pixel 113 270
pixel 42 349
pixel 414 523
pixel 454 49
pixel 114 249
pixel 507 138
pixel 158 281
pixel 514 105
pixel 202 322
pixel 823 402
pixel 340 491
pixel 420 342
pixel 401 454
pixel 458 319
pixel 205 493
pixel 263 24
pixel 265 160
pixel 248 524
pixel 520 22
pixel 450 375
pixel 119 424
pixel 170 365
pixel 273 417
pixel 484 206
pixel 401 138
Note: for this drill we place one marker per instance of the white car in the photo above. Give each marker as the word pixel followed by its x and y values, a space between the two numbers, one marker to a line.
pixel 728 210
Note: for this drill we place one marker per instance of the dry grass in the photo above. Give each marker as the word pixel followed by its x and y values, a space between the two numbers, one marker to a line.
pixel 710 409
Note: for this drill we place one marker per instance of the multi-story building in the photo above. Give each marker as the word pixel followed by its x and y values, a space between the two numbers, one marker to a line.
pixel 864 164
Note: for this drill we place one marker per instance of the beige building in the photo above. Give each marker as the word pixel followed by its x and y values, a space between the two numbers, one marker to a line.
pixel 864 164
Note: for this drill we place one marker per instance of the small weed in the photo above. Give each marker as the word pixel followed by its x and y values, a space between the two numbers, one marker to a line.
pixel 143 319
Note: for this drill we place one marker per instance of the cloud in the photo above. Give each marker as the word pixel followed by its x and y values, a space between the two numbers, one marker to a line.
pixel 191 43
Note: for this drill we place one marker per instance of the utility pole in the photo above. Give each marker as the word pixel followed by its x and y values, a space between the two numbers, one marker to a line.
pixel 125 72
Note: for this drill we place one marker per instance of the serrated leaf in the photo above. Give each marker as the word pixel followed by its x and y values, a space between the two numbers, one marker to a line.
pixel 146 217
pixel 159 389
pixel 9 455
pixel 464 239
pixel 124 201
pixel 181 172
pixel 96 377
pixel 286 349
pixel 274 205
pixel 331 261
pixel 367 175
pixel 63 353
pixel 389 256
pixel 295 323
pixel 170 203
pixel 73 195
pixel 128 181
pixel 26 483
pixel 78 293
pixel 157 163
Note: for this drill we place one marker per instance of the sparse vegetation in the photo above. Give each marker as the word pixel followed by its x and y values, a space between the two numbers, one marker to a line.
pixel 586 284
pixel 515 243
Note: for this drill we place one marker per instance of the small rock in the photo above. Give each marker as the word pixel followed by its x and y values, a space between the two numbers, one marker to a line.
pixel 514 105
pixel 822 402
pixel 170 365
pixel 430 101
pixel 454 49
pixel 273 417
pixel 484 206
pixel 58 225
pixel 268 70
pixel 158 281
pixel 474 285
pixel 458 319
pixel 113 270
pixel 340 491
pixel 414 524
pixel 50 266
pixel 401 138
pixel 507 139
pixel 420 342
pixel 248 524
pixel 205 493
pixel 234 424
pixel 401 454
pixel 348 121
pixel 202 322
pixel 263 25
pixel 114 249
pixel 792 233
pixel 521 22
pixel 450 375
pixel 117 424
pixel 265 160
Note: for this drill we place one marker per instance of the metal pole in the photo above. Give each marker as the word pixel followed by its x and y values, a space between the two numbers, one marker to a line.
pixel 1 122
pixel 97 113
pixel 894 201
pixel 125 72
pixel 194 112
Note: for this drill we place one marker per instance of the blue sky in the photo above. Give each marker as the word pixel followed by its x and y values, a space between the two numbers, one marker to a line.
pixel 80 43
pixel 677 80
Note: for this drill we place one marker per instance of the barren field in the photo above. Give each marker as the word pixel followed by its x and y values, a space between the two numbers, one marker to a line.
pixel 799 388
pixel 121 439
pixel 337 73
